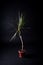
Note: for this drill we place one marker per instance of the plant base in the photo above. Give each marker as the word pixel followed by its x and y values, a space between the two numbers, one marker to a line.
pixel 21 53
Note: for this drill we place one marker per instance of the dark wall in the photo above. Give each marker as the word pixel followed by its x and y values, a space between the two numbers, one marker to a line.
pixel 9 20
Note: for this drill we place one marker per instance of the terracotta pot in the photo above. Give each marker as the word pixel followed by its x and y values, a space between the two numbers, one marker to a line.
pixel 21 53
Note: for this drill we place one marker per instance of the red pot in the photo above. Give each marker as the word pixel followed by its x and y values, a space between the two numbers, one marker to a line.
pixel 21 53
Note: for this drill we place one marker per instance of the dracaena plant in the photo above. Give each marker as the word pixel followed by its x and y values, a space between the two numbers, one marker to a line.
pixel 20 26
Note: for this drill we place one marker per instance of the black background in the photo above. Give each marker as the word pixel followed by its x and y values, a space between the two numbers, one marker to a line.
pixel 31 37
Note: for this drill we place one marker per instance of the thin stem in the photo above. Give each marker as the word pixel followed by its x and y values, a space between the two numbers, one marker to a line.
pixel 21 39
